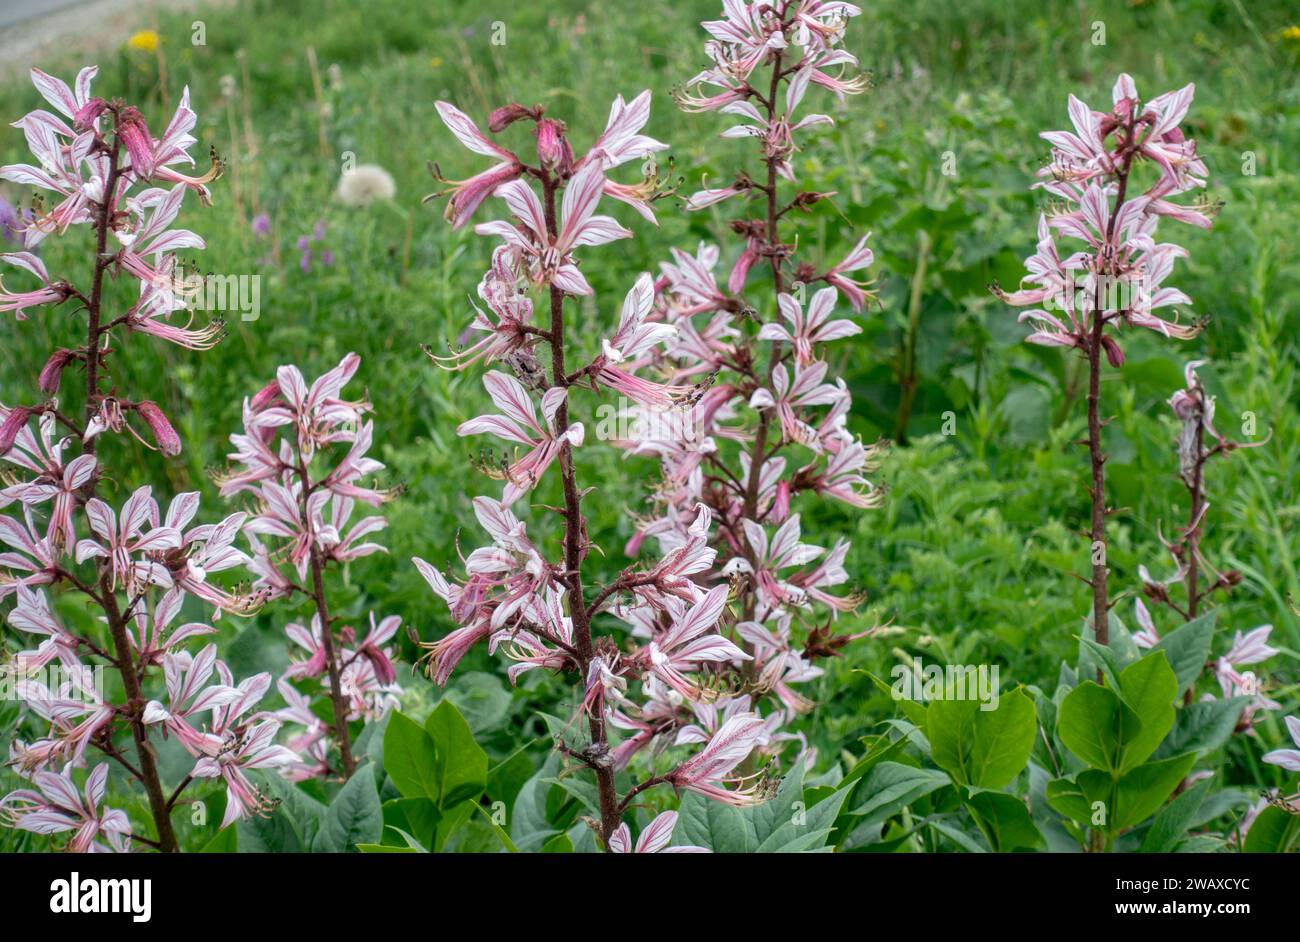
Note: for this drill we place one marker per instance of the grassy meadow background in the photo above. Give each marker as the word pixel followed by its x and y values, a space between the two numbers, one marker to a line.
pixel 971 559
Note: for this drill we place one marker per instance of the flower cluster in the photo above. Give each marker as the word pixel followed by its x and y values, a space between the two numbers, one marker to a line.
pixel 1118 278
pixel 303 461
pixel 98 158
pixel 771 423
pixel 132 563
pixel 709 628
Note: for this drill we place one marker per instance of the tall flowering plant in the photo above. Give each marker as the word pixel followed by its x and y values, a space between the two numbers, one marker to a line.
pixel 701 647
pixel 1084 301
pixel 303 461
pixel 1115 280
pixel 133 563
pixel 772 426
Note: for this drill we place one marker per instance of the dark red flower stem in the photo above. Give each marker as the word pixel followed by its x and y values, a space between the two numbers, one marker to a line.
pixel 759 449
pixel 1107 268
pixel 338 702
pixel 597 756
pixel 1097 532
pixel 94 304
pixel 122 656
pixel 1192 536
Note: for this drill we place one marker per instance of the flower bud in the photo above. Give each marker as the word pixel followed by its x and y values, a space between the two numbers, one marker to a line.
pixel 52 372
pixel 265 396
pixel 169 443
pixel 1114 355
pixel 88 113
pixel 507 115
pixel 134 136
pixel 12 425
pixel 1184 405
pixel 385 673
pixel 551 145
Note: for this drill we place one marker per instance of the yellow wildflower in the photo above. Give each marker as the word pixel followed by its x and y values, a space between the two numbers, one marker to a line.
pixel 146 40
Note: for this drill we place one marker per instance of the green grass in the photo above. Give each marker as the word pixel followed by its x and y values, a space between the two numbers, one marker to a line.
pixel 971 559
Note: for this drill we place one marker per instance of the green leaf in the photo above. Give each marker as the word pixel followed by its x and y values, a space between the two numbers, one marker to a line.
pixel 1202 727
pixel 508 776
pixel 497 829
pixel 1274 832
pixel 1121 642
pixel 353 817
pixel 1055 826
pixel 890 787
pixel 1067 796
pixel 482 699
pixel 969 840
pixel 1095 657
pixel 583 789
pixel 273 834
pixel 462 763
pixel 788 801
pixel 803 828
pixel 439 761
pixel 881 749
pixel 411 758
pixel 720 827
pixel 583 838
pixel 559 844
pixel 1223 802
pixel 1093 723
pixel 1188 648
pixel 370 745
pixel 418 816
pixel 530 826
pixel 575 736
pixel 451 823
pixel 408 840
pixel 913 710
pixel 303 813
pixel 984 748
pixel 1148 687
pixel 226 841
pixel 1006 821
pixel 1170 825
pixel 782 824
pixel 1141 792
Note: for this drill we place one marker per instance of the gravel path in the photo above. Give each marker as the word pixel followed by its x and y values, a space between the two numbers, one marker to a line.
pixel 31 31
